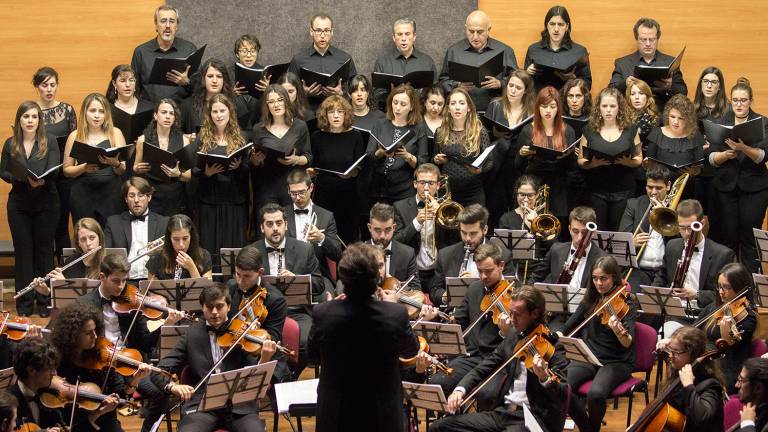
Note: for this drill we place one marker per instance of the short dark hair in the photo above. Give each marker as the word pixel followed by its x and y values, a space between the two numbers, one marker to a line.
pixel 34 352
pixel 355 82
pixel 473 214
pixel 214 292
pixel 247 38
pixel 270 208
pixel 249 258
pixel 382 212
pixel 690 207
pixel 757 372
pixel 582 214
pixel 648 23
pixel 139 183
pixel 359 271
pixel 658 172
pixel 488 250
pixel 297 176
pixel 114 263
pixel 533 299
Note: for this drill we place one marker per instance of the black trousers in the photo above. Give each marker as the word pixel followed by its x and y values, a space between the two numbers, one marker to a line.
pixel 737 212
pixel 498 420
pixel 605 379
pixel 210 421
pixel 343 203
pixel 609 207
pixel 32 231
pixel 461 366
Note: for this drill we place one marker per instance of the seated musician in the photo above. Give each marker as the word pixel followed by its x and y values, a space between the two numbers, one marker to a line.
pixel 190 353
pixel 182 256
pixel 612 344
pixel 76 329
pixel 753 393
pixel 133 229
pixel 8 406
pixel 700 395
pixel 737 330
pixel 534 387
pixel 657 184
pixel 34 363
pixel 707 259
pixel 527 193
pixel 484 336
pixel 399 259
pixel 457 260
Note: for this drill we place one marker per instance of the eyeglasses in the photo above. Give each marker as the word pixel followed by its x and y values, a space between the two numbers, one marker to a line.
pixel 335 112
pixel 742 380
pixel 724 287
pixel 323 31
pixel 675 353
pixel 707 82
pixel 139 196
pixel 426 182
pixel 297 194
pixel 245 52
pixel 526 195
pixel 740 101
pixel 276 101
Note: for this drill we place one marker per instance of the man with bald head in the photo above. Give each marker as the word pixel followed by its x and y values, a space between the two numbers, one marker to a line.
pixel 477 48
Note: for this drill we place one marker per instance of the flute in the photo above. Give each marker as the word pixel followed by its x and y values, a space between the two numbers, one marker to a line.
pixel 47 278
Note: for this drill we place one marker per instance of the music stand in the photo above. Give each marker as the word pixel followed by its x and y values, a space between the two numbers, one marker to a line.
pixel 2 305
pixel 618 244
pixel 7 378
pixel 530 420
pixel 182 294
pixel 68 252
pixel 237 386
pixel 576 349
pixel 228 256
pixel 425 396
pixel 761 241
pixel 66 291
pixel 761 288
pixel 170 335
pixel 296 289
pixel 456 288
pixel 297 399
pixel 560 298
pixel 520 242
pixel 443 339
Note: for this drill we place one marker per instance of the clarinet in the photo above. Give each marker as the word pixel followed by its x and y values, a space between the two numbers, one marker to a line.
pixel 465 261
pixel 177 272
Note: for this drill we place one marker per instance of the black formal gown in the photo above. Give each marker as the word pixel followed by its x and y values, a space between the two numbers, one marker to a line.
pixel 96 195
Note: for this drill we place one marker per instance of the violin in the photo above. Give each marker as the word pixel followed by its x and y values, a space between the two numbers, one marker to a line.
pixel 613 305
pixel 257 309
pixel 131 299
pixel 16 328
pixel 27 427
pixel 253 340
pixel 537 342
pixel 126 360
pixel 89 397
pixel 413 299
pixel 497 301
pixel 737 308
pixel 424 347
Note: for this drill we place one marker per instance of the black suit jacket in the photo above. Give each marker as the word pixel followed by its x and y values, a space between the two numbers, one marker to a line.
pixel 549 269
pixel 740 171
pixel 49 417
pixel 484 337
pixel 193 351
pixel 140 337
pixel 405 213
pixel 331 247
pixel 117 233
pixel 402 264
pixel 342 333
pixel 547 402
pixel 624 67
pixel 299 258
pixel 761 422
pixel 714 258
pixel 449 262
pixel 635 209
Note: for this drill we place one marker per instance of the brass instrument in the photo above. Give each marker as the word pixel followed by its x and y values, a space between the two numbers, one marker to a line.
pixel 447 213
pixel 545 226
pixel 427 234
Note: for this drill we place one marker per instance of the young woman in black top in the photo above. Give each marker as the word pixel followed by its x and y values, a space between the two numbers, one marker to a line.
pixel 121 92
pixel 88 236
pixel 181 252
pixel 298 101
pixel 32 204
pixel 336 146
pixel 741 181
pixel 577 101
pixel 610 182
pixel 644 114
pixel 710 103
pixel 613 345
pixel 164 132
pixel 361 97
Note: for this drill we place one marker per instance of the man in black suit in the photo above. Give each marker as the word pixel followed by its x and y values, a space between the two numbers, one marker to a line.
pixel 657 184
pixel 399 259
pixel 197 351
pixel 35 363
pixel 134 228
pixel 753 393
pixel 321 234
pixel 647 34
pixel 457 260
pixel 544 396
pixel 352 337
pixel 707 259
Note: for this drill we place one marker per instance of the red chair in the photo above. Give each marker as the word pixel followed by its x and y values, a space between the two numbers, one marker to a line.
pixel 758 347
pixel 291 339
pixel 731 410
pixel 331 268
pixel 645 344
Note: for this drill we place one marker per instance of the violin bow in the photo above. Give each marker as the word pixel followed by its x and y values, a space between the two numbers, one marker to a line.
pixel 597 311
pixel 482 314
pixel 723 306
pixel 74 403
pixel 405 284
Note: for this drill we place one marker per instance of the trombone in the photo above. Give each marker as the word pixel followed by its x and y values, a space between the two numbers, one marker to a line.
pixel 447 213
pixel 544 226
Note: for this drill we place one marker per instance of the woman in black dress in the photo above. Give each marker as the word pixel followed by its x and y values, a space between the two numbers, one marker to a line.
pixel 95 190
pixel 460 140
pixel 609 151
pixel 181 256
pixel 392 170
pixel 710 103
pixel 365 113
pixel 32 204
pixel 336 146
pixel 121 92
pixel 222 194
pixel 432 107
pixel 577 101
pixel 60 120
pixel 164 132
pixel 298 101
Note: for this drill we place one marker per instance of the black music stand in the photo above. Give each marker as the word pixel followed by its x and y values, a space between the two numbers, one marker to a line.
pixel 618 244
pixel 7 378
pixel 520 242
pixel 182 294
pixel 429 397
pixel 761 288
pixel 560 298
pixel 170 335
pixel 296 399
pixel 761 241
pixel 443 339
pixel 2 305
pixel 296 289
pixel 66 291
pixel 456 288
pixel 576 349
pixel 228 256
pixel 235 387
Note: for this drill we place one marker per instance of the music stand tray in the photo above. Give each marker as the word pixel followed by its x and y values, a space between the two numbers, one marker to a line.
pixel 560 298
pixel 443 339
pixel 761 285
pixel 576 349
pixel 237 386
pixel 228 256
pixel 425 396
pixel 520 242
pixel 296 289
pixel 66 291
pixel 618 244
pixel 182 294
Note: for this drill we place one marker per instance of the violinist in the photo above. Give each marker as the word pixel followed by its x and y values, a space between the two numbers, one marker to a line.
pixel 534 387
pixel 76 329
pixel 400 259
pixel 35 363
pixel 485 336
pixel 612 343
pixel 753 393
pixel 190 353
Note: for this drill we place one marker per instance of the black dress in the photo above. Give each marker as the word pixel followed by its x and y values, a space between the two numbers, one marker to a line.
pixel 115 384
pixel 466 187
pixel 245 106
pixel 97 195
pixel 675 151
pixel 168 198
pixel 391 178
pixel 645 124
pixel 156 266
pixel 60 121
pixel 337 152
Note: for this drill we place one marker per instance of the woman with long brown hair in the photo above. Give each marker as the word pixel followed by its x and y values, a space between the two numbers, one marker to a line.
pixel 181 252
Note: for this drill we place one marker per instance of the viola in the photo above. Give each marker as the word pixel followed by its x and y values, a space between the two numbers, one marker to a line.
pixel 89 396
pixel 27 427
pixel 126 360
pixel 257 309
pixel 412 299
pixel 131 299
pixel 497 301
pixel 613 305
pixel 253 340
pixel 537 342
pixel 16 328
pixel 424 347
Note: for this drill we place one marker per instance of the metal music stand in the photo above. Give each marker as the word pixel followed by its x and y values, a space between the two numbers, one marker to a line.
pixel 170 335
pixel 520 242
pixel 456 288
pixel 297 399
pixel 296 289
pixel 182 294
pixel 7 378
pixel 443 339
pixel 560 298
pixel 66 291
pixel 235 387
pixel 576 349
pixel 429 397
pixel 228 256
pixel 761 241
pixel 761 289
pixel 618 244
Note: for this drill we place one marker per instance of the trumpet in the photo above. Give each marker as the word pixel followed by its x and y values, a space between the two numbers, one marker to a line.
pixel 312 222
pixel 544 226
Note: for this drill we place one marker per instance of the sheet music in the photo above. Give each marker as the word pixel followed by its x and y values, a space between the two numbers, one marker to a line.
pixel 761 288
pixel 652 299
pixel 228 256
pixel 240 386
pixel 576 349
pixel 293 393
pixel 296 289
pixel 530 421
pixel 66 291
pixel 182 294
pixel 443 339
pixel 520 242
pixel 617 244
pixel 426 396
pixel 761 241
pixel 561 298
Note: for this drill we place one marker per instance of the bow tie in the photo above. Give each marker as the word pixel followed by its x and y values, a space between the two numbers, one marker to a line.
pixel 141 218
pixel 301 211
pixel 696 249
pixel 105 301
pixel 217 330
pixel 387 252
pixel 271 250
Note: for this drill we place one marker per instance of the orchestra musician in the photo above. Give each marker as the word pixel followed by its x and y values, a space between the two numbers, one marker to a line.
pixel 752 383
pixel 400 259
pixel 35 363
pixel 182 256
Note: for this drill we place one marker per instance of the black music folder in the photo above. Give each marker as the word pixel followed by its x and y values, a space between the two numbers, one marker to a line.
pixel 204 159
pixel 131 125
pixel 263 140
pixel 390 147
pixel 590 153
pixel 417 79
pixel 20 172
pixel 325 79
pixel 163 65
pixel 653 73
pixel 751 132
pixel 83 152
pixel 345 173
pixel 675 166
pixel 576 124
pixel 248 77
pixel 547 153
pixel 564 61
pixel 499 122
pixel 155 156
pixel 476 73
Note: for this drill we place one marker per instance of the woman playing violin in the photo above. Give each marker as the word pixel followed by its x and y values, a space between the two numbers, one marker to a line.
pixel 612 343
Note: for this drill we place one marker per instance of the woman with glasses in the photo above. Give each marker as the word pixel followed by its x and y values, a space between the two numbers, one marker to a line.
pixel 741 181
pixel 710 103
pixel 336 147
